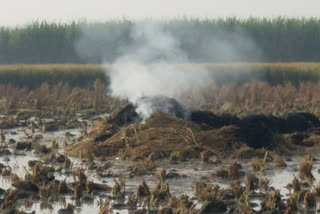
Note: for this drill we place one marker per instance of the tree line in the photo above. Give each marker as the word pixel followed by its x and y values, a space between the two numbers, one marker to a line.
pixel 232 39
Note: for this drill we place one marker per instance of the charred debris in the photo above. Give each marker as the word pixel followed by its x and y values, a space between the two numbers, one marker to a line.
pixel 174 132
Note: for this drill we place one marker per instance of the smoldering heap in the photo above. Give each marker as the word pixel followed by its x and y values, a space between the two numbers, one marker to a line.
pixel 177 133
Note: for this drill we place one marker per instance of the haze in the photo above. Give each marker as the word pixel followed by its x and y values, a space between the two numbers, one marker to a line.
pixel 17 12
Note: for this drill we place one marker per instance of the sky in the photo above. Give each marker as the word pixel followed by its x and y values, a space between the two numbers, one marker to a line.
pixel 19 12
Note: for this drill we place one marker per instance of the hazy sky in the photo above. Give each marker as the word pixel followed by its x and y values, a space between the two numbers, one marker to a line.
pixel 16 12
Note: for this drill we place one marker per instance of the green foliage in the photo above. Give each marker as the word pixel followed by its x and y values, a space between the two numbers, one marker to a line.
pixel 254 39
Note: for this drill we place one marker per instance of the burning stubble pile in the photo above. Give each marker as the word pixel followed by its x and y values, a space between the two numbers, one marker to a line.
pixel 203 134
pixel 177 161
pixel 166 137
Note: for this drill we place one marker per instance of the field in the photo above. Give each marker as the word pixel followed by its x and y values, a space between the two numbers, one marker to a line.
pixel 237 88
pixel 32 76
pixel 84 75
pixel 248 142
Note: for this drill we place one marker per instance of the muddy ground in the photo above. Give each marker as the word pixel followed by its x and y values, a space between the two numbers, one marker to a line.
pixel 118 163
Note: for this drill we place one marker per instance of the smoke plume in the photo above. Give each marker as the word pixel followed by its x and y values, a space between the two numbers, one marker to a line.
pixel 153 60
pixel 146 69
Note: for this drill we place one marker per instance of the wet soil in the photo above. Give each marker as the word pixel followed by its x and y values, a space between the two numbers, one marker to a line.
pixel 201 155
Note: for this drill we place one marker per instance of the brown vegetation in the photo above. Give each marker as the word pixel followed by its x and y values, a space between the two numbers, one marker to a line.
pixel 165 137
pixel 305 169
pixel 256 97
pixel 60 98
pixel 162 136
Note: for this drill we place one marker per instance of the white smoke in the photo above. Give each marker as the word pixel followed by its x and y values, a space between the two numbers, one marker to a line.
pixel 132 80
pixel 151 59
pixel 146 69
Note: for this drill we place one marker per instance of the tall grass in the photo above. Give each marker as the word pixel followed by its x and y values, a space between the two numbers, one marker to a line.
pixel 255 97
pixel 83 76
pixel 273 73
pixel 230 95
pixel 32 76
pixel 278 39
pixel 58 97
